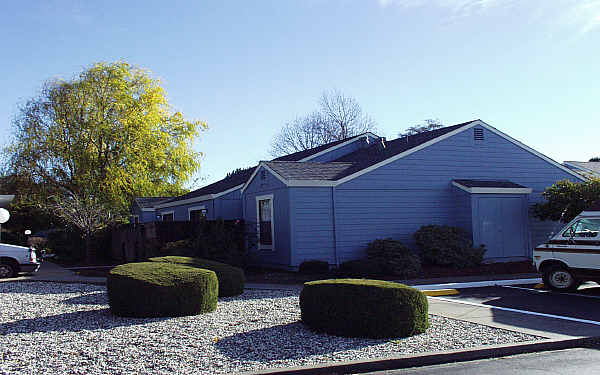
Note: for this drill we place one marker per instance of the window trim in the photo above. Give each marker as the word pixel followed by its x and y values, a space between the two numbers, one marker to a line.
pixel 196 208
pixel 135 217
pixel 258 199
pixel 166 213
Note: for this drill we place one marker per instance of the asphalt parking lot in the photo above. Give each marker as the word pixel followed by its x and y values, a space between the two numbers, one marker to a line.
pixel 583 304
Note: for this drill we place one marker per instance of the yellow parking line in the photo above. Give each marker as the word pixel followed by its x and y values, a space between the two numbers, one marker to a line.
pixel 440 292
pixel 540 286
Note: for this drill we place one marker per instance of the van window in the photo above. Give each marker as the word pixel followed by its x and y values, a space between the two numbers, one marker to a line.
pixel 584 228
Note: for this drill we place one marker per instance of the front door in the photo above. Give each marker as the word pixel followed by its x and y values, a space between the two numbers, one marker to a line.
pixel 265 222
pixel 502 227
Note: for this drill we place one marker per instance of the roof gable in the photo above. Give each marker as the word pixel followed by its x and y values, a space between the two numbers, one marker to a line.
pixel 379 154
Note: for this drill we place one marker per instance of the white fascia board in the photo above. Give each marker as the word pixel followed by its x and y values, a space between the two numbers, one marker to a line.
pixel 496 190
pixel 251 177
pixel 186 201
pixel 338 146
pixel 408 152
pixel 148 209
pixel 310 183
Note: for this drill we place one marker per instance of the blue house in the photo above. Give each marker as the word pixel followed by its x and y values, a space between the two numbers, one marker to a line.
pixel 328 203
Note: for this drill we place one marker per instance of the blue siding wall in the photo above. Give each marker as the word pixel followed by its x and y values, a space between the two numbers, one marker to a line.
pixel 313 226
pixel 398 198
pixel 344 150
pixel 281 255
pixel 227 207
pixel 145 216
pixel 462 209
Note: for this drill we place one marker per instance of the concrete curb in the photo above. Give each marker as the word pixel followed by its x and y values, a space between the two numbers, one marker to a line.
pixel 478 284
pixel 428 359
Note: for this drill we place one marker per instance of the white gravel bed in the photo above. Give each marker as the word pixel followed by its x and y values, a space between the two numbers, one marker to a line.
pixel 52 328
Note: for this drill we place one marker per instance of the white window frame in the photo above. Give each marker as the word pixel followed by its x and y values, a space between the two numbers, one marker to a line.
pixel 196 208
pixel 258 199
pixel 166 213
pixel 135 217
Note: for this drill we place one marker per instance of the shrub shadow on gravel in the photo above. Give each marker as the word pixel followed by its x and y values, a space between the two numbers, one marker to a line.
pixel 286 341
pixel 88 299
pixel 72 322
pixel 45 288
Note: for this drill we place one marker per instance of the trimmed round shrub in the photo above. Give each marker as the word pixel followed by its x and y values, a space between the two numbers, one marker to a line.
pixel 443 245
pixel 231 279
pixel 394 257
pixel 312 267
pixel 153 289
pixel 360 268
pixel 364 308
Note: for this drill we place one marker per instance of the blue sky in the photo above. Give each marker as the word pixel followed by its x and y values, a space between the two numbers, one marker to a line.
pixel 530 68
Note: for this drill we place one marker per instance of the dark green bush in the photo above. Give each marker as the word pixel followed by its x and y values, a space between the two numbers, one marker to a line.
pixel 153 289
pixel 447 246
pixel 67 245
pixel 360 268
pixel 181 248
pixel 231 279
pixel 221 241
pixel 394 257
pixel 312 267
pixel 364 308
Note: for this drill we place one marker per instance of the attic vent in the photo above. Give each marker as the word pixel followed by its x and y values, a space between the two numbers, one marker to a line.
pixel 478 134
pixel 263 175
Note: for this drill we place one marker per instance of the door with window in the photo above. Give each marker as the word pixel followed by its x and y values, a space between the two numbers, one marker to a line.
pixel 579 244
pixel 264 205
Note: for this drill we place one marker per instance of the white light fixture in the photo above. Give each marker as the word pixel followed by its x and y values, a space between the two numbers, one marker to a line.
pixel 4 216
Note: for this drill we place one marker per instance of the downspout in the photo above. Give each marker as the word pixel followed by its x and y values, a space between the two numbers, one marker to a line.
pixel 334 220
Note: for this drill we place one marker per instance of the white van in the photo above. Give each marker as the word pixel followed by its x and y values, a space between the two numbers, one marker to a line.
pixel 572 256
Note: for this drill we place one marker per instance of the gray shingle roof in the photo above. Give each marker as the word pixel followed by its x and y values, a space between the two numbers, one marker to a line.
pixel 297 156
pixel 489 184
pixel 293 170
pixel 591 166
pixel 219 186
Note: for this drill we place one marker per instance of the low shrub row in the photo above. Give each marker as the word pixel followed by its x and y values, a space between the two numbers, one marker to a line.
pixel 437 245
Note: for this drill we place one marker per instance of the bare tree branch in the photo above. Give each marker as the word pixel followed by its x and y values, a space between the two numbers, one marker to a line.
pixel 338 117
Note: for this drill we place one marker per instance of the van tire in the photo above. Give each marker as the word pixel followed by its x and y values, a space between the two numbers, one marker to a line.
pixel 560 278
pixel 7 270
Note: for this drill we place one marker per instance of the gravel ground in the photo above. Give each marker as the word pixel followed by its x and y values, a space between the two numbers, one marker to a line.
pixel 50 328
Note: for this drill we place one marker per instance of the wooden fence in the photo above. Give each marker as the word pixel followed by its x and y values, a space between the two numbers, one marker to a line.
pixel 134 242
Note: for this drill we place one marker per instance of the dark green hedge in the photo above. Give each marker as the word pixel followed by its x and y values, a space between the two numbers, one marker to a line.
pixel 231 279
pixel 312 267
pixel 448 246
pixel 153 289
pixel 364 308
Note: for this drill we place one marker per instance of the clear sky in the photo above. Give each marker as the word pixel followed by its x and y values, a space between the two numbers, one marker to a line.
pixel 530 68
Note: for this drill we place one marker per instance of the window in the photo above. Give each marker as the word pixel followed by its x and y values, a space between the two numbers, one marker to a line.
pixel 197 214
pixel 167 216
pixel 136 219
pixel 264 210
pixel 584 228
